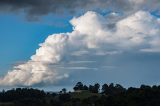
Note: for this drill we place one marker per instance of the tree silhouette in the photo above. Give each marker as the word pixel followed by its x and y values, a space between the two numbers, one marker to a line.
pixel 85 87
pixel 78 86
pixel 105 89
pixel 64 90
pixel 95 88
pixel 111 95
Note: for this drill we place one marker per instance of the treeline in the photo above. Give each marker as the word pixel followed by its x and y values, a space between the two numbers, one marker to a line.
pixel 110 89
pixel 83 95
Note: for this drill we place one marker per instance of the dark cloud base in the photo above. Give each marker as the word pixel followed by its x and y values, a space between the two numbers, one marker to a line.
pixel 36 8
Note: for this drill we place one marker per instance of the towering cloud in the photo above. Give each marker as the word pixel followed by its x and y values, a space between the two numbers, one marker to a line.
pixel 93 34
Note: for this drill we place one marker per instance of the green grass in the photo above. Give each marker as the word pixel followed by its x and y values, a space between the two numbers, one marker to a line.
pixel 83 94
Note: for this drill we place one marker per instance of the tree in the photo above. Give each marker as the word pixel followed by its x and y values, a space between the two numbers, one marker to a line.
pixel 96 88
pixel 91 88
pixel 119 89
pixel 78 86
pixel 104 89
pixel 64 90
pixel 145 87
pixel 85 87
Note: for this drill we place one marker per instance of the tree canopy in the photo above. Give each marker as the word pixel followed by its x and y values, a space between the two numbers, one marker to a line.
pixel 105 95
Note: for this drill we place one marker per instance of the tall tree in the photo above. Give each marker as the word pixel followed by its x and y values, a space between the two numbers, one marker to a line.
pixel 96 88
pixel 78 86
pixel 104 88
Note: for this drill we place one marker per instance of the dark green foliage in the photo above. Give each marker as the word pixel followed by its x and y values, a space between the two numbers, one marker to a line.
pixel 112 89
pixel 20 93
pixel 64 97
pixel 94 88
pixel 80 86
pixel 85 87
pixel 110 95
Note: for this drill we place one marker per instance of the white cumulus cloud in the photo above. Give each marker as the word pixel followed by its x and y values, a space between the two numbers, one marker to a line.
pixel 91 35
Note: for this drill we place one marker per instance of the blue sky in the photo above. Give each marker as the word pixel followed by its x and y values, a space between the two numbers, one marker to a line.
pixel 20 38
pixel 120 46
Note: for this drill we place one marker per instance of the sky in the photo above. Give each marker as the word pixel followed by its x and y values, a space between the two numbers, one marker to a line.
pixel 52 43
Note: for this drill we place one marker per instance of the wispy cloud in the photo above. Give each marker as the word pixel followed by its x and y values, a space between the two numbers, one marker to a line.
pixel 79 62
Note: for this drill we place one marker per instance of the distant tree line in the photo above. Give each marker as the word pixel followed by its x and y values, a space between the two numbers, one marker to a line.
pixel 106 89
pixel 92 88
pixel 83 95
